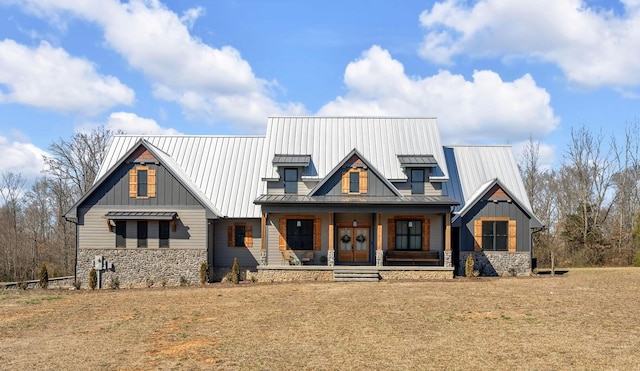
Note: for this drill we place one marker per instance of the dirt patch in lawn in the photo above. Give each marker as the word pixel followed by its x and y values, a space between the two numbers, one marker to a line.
pixel 585 319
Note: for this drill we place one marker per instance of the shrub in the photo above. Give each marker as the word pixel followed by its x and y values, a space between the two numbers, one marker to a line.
pixel 114 283
pixel 468 266
pixel 77 284
pixel 163 282
pixel 636 259
pixel 235 271
pixel 183 281
pixel 93 279
pixel 149 283
pixel 23 285
pixel 44 276
pixel 203 273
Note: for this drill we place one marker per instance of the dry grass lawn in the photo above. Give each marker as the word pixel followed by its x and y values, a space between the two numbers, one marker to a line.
pixel 586 319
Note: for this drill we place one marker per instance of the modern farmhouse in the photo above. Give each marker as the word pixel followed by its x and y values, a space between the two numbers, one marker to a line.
pixel 313 197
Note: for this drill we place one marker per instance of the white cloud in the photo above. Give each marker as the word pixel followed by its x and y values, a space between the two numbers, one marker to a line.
pixel 21 157
pixel 130 123
pixel 486 108
pixel 593 47
pixel 210 83
pixel 48 77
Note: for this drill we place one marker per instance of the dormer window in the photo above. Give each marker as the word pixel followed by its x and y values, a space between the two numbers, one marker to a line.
pixel 291 180
pixel 354 182
pixel 417 181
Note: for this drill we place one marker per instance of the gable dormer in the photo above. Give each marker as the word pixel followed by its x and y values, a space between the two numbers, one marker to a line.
pixel 354 176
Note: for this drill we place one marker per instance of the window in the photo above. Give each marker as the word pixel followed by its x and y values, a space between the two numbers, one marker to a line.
pixel 142 234
pixel 142 183
pixel 417 181
pixel 163 233
pixel 354 182
pixel 290 180
pixel 300 234
pixel 121 233
pixel 239 231
pixel 408 235
pixel 495 235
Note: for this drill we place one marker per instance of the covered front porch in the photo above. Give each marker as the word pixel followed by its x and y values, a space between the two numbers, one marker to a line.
pixel 310 236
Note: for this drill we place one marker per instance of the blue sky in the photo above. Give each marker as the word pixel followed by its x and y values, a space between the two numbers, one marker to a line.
pixel 492 71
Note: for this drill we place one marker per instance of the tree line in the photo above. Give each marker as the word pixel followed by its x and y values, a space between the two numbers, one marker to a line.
pixel 589 204
pixel 32 228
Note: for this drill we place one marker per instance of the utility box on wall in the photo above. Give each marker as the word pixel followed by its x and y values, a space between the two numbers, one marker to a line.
pixel 99 262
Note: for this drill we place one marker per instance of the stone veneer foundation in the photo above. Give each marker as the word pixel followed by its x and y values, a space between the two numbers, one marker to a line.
pixel 497 263
pixel 141 267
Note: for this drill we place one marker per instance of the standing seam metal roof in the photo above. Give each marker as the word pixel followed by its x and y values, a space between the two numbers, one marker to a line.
pixel 330 139
pixel 224 168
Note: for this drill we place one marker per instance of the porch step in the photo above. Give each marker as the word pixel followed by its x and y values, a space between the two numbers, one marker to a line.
pixel 369 275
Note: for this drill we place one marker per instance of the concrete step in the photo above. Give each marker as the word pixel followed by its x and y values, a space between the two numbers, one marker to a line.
pixel 356 279
pixel 353 275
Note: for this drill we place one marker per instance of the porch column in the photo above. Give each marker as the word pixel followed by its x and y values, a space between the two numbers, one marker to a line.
pixel 263 236
pixel 447 240
pixel 379 252
pixel 331 259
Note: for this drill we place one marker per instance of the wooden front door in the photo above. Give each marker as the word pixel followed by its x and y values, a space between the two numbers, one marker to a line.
pixel 353 245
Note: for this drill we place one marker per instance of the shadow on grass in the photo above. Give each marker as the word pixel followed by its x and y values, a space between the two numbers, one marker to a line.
pixel 547 272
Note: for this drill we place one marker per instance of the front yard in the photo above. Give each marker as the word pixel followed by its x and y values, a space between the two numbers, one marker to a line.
pixel 585 319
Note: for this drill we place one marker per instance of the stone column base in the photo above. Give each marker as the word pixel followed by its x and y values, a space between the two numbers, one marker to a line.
pixel 331 259
pixel 263 257
pixel 447 259
pixel 379 258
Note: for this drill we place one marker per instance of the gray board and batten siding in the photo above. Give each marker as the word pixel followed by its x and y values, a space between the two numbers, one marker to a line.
pixel 486 208
pixel 375 186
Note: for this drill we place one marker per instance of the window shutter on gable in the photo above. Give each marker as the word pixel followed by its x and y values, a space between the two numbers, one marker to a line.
pixel 363 182
pixel 133 182
pixel 230 236
pixel 282 229
pixel 317 234
pixel 151 186
pixel 426 234
pixel 512 236
pixel 477 235
pixel 345 182
pixel 391 234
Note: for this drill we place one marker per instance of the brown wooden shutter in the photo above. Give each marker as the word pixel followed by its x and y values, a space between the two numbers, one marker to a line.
pixel 391 234
pixel 477 235
pixel 426 234
pixel 230 236
pixel 345 182
pixel 282 229
pixel 248 236
pixel 317 235
pixel 512 236
pixel 151 180
pixel 133 182
pixel 363 182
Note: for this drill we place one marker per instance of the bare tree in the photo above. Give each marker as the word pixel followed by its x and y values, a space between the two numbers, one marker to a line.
pixel 77 161
pixel 11 188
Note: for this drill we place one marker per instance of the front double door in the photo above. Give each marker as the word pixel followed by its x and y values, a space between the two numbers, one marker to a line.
pixel 353 245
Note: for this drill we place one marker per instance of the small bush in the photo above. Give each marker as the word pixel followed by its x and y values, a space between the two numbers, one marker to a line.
pixel 23 285
pixel 77 284
pixel 204 273
pixel 149 283
pixel 114 283
pixel 163 282
pixel 636 259
pixel 468 266
pixel 183 281
pixel 235 271
pixel 93 279
pixel 44 276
